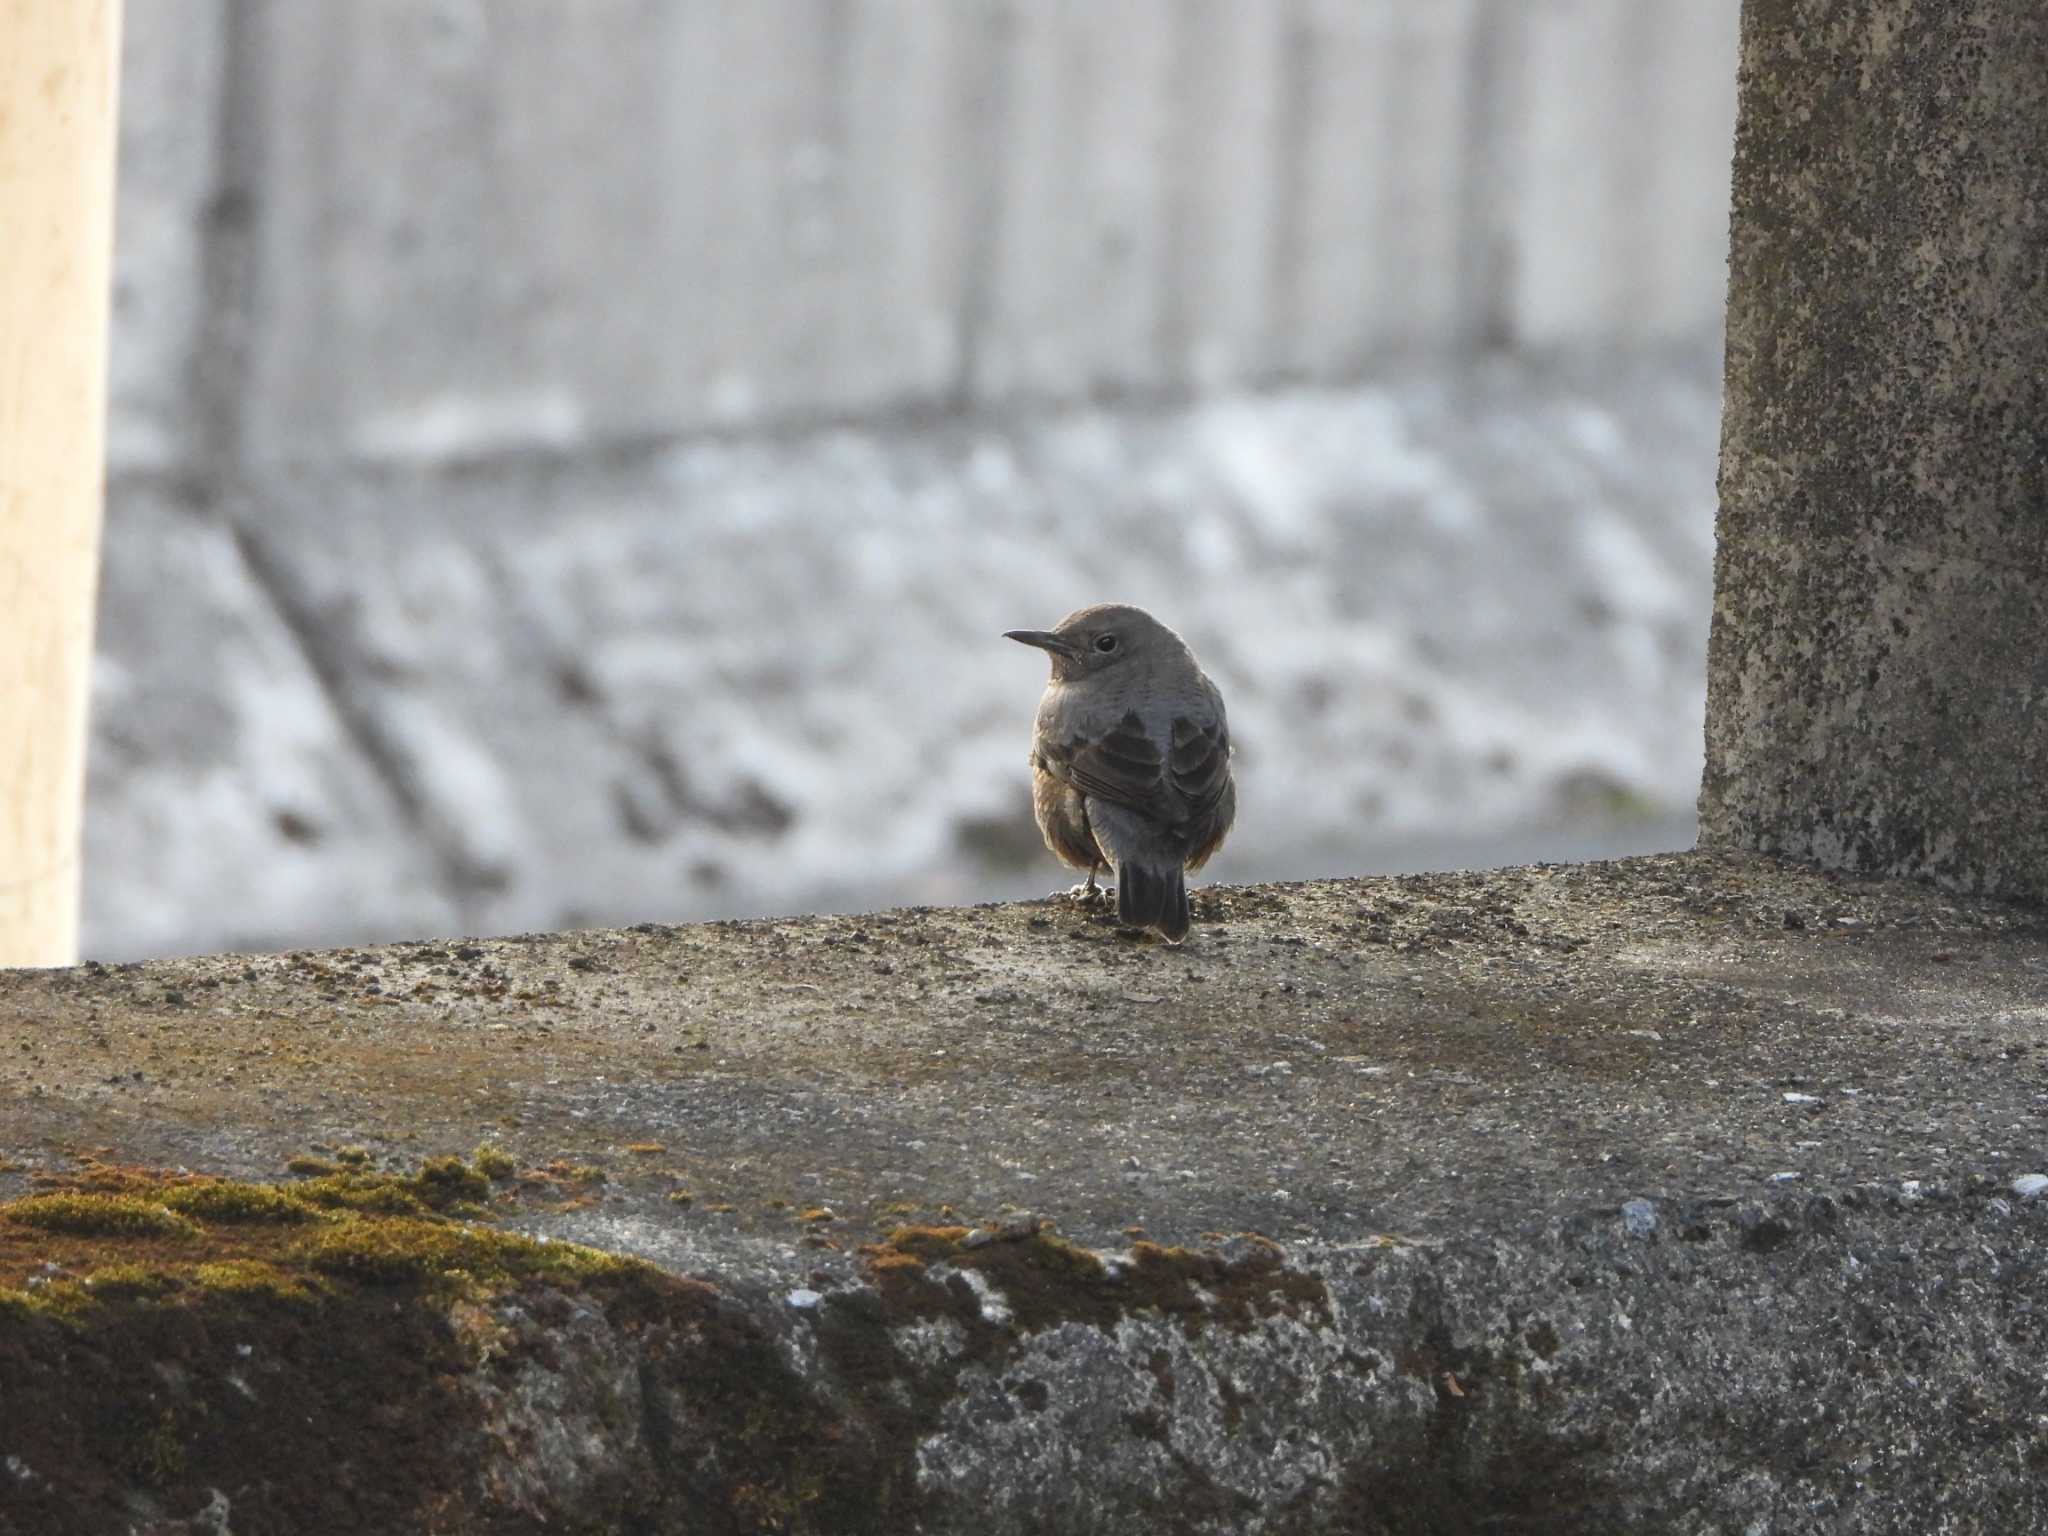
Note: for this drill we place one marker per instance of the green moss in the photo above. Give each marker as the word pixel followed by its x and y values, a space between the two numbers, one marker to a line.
pixel 376 1193
pixel 493 1162
pixel 84 1215
pixel 230 1202
pixel 446 1182
pixel 63 1300
pixel 927 1243
pixel 364 1228
pixel 136 1282
pixel 306 1164
pixel 392 1251
pixel 442 1184
pixel 353 1157
pixel 250 1278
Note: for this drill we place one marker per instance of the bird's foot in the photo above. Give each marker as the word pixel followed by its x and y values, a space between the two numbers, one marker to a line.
pixel 1089 894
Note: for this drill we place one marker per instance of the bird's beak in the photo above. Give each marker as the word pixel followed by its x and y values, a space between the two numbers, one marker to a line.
pixel 1044 639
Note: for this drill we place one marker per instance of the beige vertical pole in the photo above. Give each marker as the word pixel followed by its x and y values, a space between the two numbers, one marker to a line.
pixel 58 74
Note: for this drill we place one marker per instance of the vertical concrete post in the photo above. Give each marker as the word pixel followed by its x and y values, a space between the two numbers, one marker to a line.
pixel 1877 692
pixel 58 71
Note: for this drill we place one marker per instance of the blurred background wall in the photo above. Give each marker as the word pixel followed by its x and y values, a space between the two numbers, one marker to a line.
pixel 572 462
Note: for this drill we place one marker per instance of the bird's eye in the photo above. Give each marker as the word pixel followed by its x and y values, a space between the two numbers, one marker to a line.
pixel 1105 643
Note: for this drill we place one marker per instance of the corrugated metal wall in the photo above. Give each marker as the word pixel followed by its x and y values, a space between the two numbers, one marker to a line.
pixel 452 228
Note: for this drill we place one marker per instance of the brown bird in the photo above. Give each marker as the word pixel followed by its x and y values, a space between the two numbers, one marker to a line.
pixel 1130 764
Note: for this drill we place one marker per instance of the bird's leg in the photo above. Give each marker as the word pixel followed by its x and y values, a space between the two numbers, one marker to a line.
pixel 1088 893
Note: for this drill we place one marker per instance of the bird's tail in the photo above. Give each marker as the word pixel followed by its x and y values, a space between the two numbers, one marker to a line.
pixel 1153 898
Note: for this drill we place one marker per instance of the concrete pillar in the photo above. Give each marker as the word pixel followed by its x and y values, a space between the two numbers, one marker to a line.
pixel 58 66
pixel 1878 669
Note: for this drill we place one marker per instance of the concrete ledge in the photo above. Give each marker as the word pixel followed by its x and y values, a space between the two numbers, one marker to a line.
pixel 1681 1193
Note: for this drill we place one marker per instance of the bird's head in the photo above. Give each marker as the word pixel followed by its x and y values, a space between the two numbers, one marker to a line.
pixel 1098 639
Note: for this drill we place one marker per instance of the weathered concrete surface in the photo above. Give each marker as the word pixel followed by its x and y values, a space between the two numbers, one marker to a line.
pixel 1875 673
pixel 1671 1194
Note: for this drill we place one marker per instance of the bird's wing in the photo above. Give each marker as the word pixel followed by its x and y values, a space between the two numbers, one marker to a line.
pixel 1125 767
pixel 1199 764
pixel 1122 766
